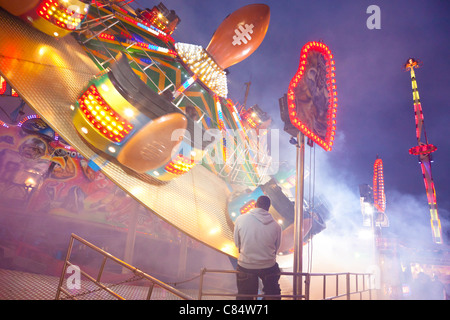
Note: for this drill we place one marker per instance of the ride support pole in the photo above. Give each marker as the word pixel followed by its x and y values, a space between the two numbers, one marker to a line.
pixel 298 219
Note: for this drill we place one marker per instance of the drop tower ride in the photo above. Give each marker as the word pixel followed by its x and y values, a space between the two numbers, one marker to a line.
pixel 423 150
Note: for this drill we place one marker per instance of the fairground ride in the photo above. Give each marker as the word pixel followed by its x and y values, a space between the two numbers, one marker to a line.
pixel 423 150
pixel 152 114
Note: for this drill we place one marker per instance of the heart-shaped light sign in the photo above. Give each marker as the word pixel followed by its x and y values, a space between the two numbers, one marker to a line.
pixel 312 96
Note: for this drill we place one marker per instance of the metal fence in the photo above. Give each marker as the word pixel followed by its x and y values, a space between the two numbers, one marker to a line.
pixel 325 286
pixel 345 285
pixel 137 274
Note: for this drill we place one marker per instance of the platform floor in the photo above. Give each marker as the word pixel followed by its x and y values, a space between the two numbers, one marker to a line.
pixel 18 285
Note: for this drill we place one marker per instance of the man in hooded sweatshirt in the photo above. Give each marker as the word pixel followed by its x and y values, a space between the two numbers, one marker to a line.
pixel 257 236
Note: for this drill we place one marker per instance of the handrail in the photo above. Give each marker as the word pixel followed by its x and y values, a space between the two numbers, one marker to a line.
pixel 97 281
pixel 153 281
pixel 306 295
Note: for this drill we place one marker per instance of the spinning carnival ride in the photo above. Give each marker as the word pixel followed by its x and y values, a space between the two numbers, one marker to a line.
pixel 153 115
pixel 423 150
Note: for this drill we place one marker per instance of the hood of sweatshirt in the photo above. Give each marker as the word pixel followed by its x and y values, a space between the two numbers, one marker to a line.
pixel 262 215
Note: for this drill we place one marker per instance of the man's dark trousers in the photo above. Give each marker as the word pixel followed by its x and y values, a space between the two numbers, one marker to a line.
pixel 247 281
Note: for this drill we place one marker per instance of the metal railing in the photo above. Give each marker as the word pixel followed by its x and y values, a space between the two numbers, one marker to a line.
pixel 355 284
pixel 344 285
pixel 137 274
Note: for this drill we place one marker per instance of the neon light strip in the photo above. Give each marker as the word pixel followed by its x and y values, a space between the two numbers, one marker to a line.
pixel 431 195
pixel 140 44
pixel 221 124
pixel 2 85
pixel 379 196
pixel 152 29
pixel 422 149
pixel 235 114
pixel 219 113
pixel 31 116
pixel 186 84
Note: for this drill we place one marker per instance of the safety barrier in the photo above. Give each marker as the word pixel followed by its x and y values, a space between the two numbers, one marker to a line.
pixel 137 274
pixel 345 285
pixel 356 284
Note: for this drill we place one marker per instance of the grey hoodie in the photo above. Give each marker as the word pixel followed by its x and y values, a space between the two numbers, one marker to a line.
pixel 258 237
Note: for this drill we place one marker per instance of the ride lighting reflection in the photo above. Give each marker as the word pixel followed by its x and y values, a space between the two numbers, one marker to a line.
pixel 30 183
pixel 137 190
pixel 129 113
pixel 214 231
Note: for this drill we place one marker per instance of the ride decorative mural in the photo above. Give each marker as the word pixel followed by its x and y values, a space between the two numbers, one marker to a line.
pixel 42 174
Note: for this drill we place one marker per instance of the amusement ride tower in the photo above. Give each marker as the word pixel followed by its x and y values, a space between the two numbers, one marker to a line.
pixel 423 150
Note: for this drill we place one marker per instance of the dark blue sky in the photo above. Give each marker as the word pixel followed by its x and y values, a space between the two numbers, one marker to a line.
pixel 375 109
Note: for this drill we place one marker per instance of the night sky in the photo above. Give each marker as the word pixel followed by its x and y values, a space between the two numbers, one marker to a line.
pixel 375 108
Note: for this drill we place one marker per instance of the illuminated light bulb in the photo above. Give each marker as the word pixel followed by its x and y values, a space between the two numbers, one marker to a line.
pixel 129 113
pixel 236 38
